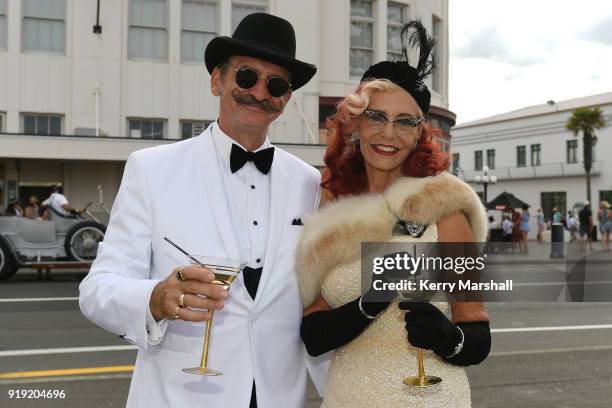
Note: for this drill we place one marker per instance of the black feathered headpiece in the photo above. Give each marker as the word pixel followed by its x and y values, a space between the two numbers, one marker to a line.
pixel 401 73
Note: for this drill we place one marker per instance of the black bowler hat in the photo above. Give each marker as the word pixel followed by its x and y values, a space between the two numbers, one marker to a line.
pixel 263 36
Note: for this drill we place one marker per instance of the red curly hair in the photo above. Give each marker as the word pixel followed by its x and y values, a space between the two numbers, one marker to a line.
pixel 345 172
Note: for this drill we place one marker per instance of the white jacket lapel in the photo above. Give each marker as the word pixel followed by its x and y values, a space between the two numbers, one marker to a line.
pixel 279 188
pixel 215 191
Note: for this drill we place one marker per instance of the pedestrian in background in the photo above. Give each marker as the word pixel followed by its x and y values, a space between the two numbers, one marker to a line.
pixel 524 230
pixel 604 216
pixel 507 232
pixel 556 215
pixel 572 226
pixel 491 225
pixel 516 230
pixel 585 217
pixel 540 221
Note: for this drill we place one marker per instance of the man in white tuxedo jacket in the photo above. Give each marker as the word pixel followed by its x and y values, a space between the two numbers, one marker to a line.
pixel 225 193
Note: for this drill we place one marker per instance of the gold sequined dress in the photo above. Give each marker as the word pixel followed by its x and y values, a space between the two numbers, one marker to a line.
pixel 368 371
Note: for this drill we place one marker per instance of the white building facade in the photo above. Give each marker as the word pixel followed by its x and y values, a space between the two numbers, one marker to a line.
pixel 83 83
pixel 535 157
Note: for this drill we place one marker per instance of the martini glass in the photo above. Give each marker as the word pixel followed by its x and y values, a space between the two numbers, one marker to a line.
pixel 226 271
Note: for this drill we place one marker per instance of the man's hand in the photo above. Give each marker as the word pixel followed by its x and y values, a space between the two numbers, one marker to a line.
pixel 166 295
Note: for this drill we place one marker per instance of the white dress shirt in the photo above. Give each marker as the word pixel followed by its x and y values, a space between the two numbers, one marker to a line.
pixel 248 199
pixel 247 192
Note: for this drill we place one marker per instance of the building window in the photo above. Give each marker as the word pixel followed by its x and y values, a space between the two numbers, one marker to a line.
pixel 242 8
pixel 362 36
pixel 478 160
pixel 3 26
pixel 397 15
pixel 2 123
pixel 456 163
pixel 521 156
pixel 148 30
pixel 535 154
pixel 572 151
pixel 147 128
pixel 199 26
pixel 193 128
pixel 436 75
pixel 41 124
pixel 43 25
pixel 491 158
pixel 605 195
pixel 551 200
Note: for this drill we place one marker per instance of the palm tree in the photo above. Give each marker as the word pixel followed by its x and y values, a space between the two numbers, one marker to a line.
pixel 586 120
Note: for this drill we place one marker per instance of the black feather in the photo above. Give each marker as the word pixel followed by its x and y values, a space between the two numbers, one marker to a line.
pixel 419 38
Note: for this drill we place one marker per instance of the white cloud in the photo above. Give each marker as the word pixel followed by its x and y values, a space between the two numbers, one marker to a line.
pixel 489 43
pixel 600 32
pixel 507 56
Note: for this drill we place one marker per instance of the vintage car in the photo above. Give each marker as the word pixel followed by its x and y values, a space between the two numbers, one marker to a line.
pixel 25 242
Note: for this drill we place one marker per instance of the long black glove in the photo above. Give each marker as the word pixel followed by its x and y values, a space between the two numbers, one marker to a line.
pixel 327 330
pixel 429 328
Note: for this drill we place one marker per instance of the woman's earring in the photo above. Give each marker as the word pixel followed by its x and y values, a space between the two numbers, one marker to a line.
pixel 354 138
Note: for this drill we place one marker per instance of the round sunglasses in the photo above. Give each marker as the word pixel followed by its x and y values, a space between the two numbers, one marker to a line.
pixel 246 78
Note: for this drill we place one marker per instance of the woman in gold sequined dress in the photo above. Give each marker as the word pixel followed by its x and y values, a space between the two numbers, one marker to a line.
pixel 383 167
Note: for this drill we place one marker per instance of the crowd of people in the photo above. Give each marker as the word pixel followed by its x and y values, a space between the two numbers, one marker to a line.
pixel 514 226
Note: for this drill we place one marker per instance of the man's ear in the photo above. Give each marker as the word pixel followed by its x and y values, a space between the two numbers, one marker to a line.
pixel 215 82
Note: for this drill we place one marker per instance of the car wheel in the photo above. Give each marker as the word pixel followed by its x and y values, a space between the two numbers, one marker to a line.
pixel 8 266
pixel 82 241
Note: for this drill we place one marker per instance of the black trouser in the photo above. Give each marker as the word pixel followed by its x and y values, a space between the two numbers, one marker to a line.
pixel 251 281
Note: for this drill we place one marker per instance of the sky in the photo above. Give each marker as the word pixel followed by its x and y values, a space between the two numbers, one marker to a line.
pixel 507 55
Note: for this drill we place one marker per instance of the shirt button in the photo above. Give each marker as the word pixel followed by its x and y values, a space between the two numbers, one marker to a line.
pixel 252 187
pixel 258 260
pixel 254 222
pixel 253 318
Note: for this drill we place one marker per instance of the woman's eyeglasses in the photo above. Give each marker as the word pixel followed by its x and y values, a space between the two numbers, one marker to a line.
pixel 246 78
pixel 377 120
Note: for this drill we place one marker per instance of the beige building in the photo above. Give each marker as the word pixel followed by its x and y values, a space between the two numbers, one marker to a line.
pixel 81 87
pixel 534 156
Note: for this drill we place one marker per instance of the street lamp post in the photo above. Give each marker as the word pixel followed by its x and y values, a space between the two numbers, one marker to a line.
pixel 485 180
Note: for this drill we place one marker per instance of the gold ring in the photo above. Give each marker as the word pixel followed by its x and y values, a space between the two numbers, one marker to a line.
pixel 182 300
pixel 175 315
pixel 179 274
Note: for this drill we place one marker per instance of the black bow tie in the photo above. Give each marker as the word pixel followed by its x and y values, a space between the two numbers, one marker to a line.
pixel 262 159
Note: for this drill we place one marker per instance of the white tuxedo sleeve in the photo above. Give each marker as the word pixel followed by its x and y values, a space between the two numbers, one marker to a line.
pixel 115 294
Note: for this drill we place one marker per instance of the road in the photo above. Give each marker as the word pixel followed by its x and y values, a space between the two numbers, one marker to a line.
pixel 543 354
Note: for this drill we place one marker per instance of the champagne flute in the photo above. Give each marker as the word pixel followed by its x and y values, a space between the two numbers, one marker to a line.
pixel 417 295
pixel 421 380
pixel 226 271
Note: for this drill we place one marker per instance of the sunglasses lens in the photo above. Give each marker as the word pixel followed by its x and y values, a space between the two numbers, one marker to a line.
pixel 246 78
pixel 277 86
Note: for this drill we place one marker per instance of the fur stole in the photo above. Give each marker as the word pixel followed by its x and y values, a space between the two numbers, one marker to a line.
pixel 334 234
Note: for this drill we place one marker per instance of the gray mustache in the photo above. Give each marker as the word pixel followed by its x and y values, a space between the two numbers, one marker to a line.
pixel 249 99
